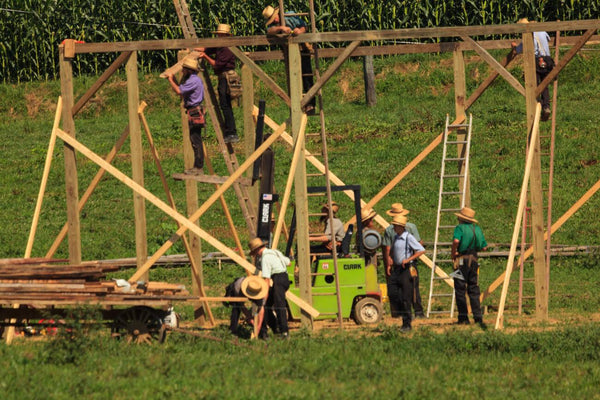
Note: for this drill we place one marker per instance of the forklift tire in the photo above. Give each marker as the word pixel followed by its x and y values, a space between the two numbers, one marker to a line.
pixel 368 311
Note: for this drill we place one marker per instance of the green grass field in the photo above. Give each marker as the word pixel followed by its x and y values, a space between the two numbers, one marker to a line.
pixel 367 146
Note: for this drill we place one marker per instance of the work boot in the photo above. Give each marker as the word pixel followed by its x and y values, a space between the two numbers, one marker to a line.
pixel 481 324
pixel 545 114
pixel 405 328
pixel 463 321
pixel 231 138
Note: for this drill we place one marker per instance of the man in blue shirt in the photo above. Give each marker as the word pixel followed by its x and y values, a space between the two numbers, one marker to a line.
pixel 388 238
pixel 191 90
pixel 274 270
pixel 404 251
pixel 294 26
pixel 467 240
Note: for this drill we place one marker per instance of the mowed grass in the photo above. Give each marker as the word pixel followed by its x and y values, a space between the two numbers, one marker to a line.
pixel 367 146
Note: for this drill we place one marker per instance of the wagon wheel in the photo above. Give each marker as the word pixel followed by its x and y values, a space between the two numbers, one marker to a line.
pixel 139 324
pixel 368 311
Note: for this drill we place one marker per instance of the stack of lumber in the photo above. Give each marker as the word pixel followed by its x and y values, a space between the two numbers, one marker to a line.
pixel 46 282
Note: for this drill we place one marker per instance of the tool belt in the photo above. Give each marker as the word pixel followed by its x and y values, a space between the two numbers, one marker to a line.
pixel 196 116
pixel 465 259
pixel 234 83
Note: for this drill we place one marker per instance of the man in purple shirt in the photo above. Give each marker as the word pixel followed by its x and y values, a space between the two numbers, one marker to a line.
pixel 191 90
pixel 223 62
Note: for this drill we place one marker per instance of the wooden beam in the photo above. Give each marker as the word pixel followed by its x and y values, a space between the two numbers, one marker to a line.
pixel 489 80
pixel 316 37
pixel 123 57
pixel 137 160
pixel 71 184
pixel 266 79
pixel 329 73
pixel 512 81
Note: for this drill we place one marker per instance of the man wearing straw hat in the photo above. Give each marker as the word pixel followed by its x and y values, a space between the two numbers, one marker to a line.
pixel 191 90
pixel 223 62
pixel 404 251
pixel 468 239
pixel 371 238
pixel 325 238
pixel 274 270
pixel 255 289
pixel 293 25
pixel 388 238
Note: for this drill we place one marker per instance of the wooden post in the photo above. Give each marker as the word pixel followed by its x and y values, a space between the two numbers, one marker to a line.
pixel 72 189
pixel 303 256
pixel 369 78
pixel 249 125
pixel 460 95
pixel 137 160
pixel 191 198
pixel 535 184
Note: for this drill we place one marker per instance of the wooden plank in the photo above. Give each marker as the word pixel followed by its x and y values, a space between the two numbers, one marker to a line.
pixel 46 172
pixel 177 67
pixel 211 179
pixel 518 220
pixel 512 81
pixel 298 149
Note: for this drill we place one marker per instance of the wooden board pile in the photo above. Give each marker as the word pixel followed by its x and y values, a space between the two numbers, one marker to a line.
pixel 48 282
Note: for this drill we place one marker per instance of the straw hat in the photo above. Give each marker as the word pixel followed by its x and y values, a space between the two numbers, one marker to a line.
pixel 190 63
pixel 254 287
pixel 334 207
pixel 223 28
pixel 270 14
pixel 256 244
pixel 523 21
pixel 367 213
pixel 397 209
pixel 399 220
pixel 466 214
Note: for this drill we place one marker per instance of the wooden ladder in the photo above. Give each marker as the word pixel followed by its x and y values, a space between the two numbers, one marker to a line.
pixel 210 103
pixel 451 199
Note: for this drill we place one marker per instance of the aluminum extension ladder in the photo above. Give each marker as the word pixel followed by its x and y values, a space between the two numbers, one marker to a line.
pixel 451 199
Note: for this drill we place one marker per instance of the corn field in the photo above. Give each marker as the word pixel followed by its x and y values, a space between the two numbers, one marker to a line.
pixel 31 30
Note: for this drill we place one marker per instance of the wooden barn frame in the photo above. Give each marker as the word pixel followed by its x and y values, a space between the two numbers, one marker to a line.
pixel 296 124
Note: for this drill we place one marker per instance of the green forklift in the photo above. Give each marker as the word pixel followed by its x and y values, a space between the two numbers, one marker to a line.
pixel 360 294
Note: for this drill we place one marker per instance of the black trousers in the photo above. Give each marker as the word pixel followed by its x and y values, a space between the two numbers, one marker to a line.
pixel 400 289
pixel 225 105
pixel 470 286
pixel 276 306
pixel 236 310
pixel 196 139
pixel 541 74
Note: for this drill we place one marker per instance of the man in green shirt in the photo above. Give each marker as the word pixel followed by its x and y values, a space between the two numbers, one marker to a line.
pixel 468 239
